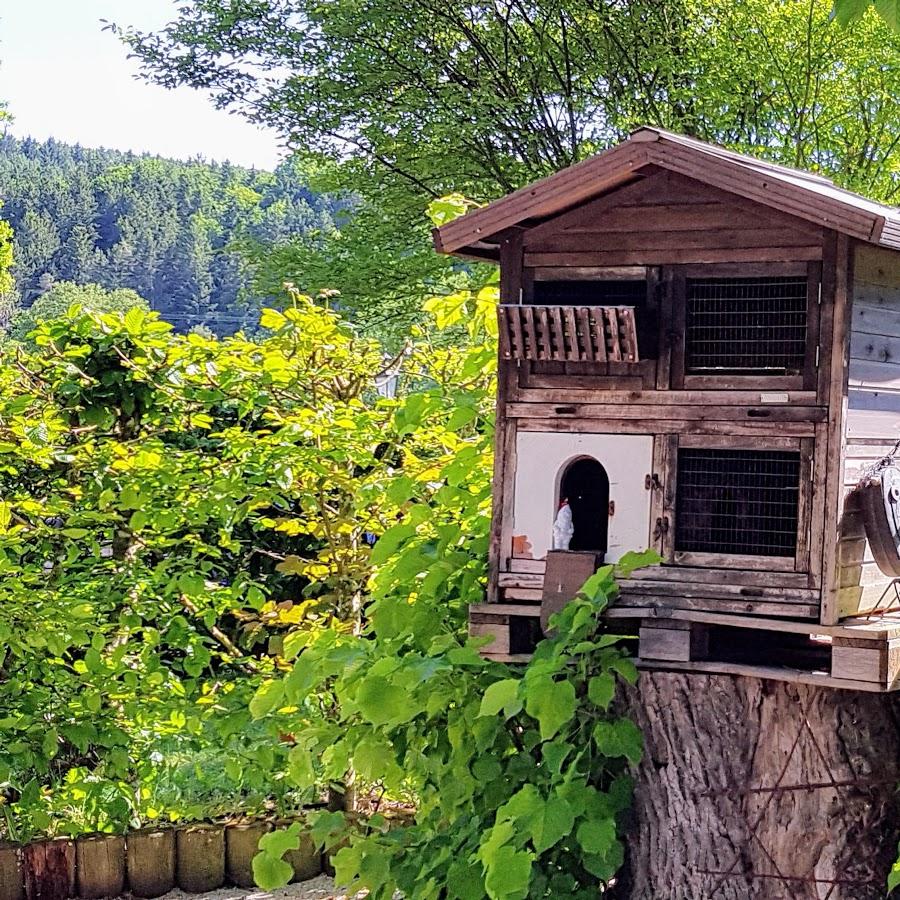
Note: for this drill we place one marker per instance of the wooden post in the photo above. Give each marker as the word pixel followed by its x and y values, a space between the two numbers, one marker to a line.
pixel 759 789
pixel 200 858
pixel 241 845
pixel 49 869
pixel 836 291
pixel 100 865
pixel 150 854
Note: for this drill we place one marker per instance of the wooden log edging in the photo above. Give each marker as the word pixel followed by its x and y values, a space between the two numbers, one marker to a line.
pixel 148 862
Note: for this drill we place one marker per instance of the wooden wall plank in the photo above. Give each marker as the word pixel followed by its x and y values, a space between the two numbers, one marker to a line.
pixel 638 257
pixel 836 291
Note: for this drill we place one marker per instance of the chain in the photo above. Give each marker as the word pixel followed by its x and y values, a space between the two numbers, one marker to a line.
pixel 883 463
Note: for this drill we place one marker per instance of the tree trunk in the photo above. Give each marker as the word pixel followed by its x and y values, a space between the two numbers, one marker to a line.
pixel 761 789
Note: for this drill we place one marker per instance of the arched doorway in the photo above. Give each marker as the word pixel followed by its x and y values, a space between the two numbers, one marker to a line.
pixel 585 485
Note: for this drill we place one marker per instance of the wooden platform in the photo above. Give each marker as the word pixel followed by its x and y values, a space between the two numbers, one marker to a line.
pixel 861 653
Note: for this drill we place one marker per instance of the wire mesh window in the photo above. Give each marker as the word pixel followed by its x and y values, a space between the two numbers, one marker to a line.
pixel 737 501
pixel 746 326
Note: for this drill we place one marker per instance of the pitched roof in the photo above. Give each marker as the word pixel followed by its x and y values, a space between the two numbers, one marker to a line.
pixel 801 194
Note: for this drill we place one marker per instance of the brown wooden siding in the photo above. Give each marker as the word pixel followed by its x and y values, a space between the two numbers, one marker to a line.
pixel 668 218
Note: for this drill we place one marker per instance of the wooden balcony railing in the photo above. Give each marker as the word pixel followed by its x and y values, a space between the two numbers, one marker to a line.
pixel 568 333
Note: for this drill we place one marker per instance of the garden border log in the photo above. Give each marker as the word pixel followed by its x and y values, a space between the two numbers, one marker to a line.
pixel 49 869
pixel 200 857
pixel 150 861
pixel 100 865
pixel 241 845
pixel 306 861
pixel 12 882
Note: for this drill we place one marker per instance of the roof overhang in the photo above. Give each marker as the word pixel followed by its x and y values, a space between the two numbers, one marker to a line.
pixel 478 234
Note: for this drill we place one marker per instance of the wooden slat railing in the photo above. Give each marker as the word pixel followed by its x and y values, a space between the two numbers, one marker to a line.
pixel 568 333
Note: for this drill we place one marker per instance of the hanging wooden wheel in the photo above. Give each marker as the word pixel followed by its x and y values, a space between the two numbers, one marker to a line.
pixel 881 514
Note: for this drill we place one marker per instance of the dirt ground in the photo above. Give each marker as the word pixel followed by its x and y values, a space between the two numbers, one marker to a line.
pixel 321 888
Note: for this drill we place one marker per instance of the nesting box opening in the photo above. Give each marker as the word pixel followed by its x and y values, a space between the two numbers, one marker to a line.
pixel 584 488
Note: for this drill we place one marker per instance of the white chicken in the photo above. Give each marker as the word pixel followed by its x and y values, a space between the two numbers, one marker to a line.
pixel 563 529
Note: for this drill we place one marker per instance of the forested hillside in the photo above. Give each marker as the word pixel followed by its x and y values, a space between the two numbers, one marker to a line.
pixel 166 229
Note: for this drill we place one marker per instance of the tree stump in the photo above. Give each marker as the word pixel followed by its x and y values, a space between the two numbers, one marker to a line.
pixel 100 865
pixel 49 869
pixel 12 883
pixel 150 855
pixel 241 845
pixel 752 788
pixel 200 858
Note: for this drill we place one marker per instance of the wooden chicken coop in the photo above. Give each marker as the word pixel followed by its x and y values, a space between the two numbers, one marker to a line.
pixel 700 353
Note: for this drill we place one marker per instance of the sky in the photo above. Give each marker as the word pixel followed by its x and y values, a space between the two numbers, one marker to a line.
pixel 61 75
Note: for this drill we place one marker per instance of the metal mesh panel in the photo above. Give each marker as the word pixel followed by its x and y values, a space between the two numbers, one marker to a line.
pixel 746 326
pixel 737 501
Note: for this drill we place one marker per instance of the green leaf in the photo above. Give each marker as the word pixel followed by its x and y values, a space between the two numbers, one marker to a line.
pixel 267 698
pixel 551 824
pixel 446 209
pixel 632 561
pixel 382 702
pixel 601 689
pixel 889 10
pixel 626 668
pixel 894 876
pixel 619 738
pixel 552 703
pixel 279 841
pixel 508 874
pixel 390 541
pixel 545 821
pixel 300 767
pixel 597 836
pixel 846 12
pixel 599 586
pixel 272 319
pixel 501 695
pixel 271 872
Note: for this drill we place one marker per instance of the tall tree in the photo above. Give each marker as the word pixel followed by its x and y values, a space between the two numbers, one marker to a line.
pixel 402 102
pixel 439 96
pixel 166 229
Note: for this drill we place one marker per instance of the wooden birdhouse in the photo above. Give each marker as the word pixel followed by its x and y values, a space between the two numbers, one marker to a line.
pixel 700 353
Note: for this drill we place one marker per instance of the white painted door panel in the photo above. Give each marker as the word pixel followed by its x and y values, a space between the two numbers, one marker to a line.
pixel 541 458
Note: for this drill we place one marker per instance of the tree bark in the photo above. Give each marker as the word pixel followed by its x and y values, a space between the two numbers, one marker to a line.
pixel 752 788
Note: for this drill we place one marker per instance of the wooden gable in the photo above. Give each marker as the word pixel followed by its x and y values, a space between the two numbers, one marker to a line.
pixel 669 218
pixel 799 195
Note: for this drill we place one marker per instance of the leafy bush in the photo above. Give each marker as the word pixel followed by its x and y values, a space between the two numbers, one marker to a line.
pixel 520 775
pixel 173 505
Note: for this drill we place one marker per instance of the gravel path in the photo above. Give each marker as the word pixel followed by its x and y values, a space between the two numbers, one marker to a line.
pixel 321 888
